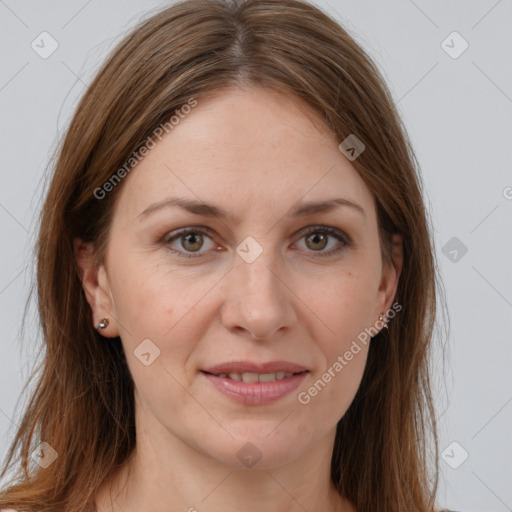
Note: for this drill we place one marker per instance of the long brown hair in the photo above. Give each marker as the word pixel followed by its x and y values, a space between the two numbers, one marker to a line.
pixel 83 403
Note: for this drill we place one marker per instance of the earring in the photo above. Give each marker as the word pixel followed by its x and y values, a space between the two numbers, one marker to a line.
pixel 381 318
pixel 103 324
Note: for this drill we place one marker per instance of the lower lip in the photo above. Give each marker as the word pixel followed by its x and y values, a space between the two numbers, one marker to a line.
pixel 257 393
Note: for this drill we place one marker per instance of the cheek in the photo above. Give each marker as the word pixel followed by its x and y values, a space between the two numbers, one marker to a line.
pixel 155 310
pixel 345 306
pixel 345 378
pixel 345 303
pixel 170 308
pixel 152 298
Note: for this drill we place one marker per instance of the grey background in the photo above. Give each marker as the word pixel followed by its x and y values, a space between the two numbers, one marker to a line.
pixel 458 114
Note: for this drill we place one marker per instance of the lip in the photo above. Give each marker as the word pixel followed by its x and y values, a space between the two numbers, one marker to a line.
pixel 252 367
pixel 257 393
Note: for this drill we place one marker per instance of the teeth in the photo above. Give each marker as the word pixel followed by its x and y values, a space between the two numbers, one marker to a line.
pixel 256 377
pixel 267 377
pixel 250 377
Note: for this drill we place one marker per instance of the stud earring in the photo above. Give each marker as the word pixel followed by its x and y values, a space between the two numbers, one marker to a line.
pixel 381 318
pixel 103 324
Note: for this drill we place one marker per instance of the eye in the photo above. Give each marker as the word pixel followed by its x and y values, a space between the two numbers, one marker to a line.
pixel 317 239
pixel 191 241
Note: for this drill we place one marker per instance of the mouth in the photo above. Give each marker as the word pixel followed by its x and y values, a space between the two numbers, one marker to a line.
pixel 255 384
pixel 252 377
pixel 243 367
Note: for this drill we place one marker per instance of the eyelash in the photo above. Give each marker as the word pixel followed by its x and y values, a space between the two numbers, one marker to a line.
pixel 339 235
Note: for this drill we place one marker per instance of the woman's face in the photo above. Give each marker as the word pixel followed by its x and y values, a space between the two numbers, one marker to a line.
pixel 261 285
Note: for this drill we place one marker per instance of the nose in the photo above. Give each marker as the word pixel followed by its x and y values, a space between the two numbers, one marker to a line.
pixel 259 302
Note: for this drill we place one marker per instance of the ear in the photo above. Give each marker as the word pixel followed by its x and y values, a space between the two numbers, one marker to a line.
pixel 96 287
pixel 390 276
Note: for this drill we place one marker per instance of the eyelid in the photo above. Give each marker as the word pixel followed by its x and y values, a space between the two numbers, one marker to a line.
pixel 184 231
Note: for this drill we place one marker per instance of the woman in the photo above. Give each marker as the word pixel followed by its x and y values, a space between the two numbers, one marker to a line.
pixel 236 280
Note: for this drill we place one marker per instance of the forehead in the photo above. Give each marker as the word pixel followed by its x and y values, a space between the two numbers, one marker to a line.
pixel 245 147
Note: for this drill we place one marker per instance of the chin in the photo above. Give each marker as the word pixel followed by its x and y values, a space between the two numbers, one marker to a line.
pixel 258 451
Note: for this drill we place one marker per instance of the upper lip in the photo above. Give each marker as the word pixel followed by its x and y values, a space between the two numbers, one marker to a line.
pixel 252 367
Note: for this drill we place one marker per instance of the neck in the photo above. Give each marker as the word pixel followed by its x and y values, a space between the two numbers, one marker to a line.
pixel 170 475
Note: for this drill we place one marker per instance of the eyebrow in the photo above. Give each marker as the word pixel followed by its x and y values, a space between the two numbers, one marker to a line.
pixel 300 209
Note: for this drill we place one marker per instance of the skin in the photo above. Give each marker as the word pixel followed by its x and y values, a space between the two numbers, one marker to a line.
pixel 254 153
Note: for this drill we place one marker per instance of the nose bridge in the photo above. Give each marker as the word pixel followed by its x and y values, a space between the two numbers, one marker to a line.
pixel 258 279
pixel 256 258
pixel 258 301
pixel 258 276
